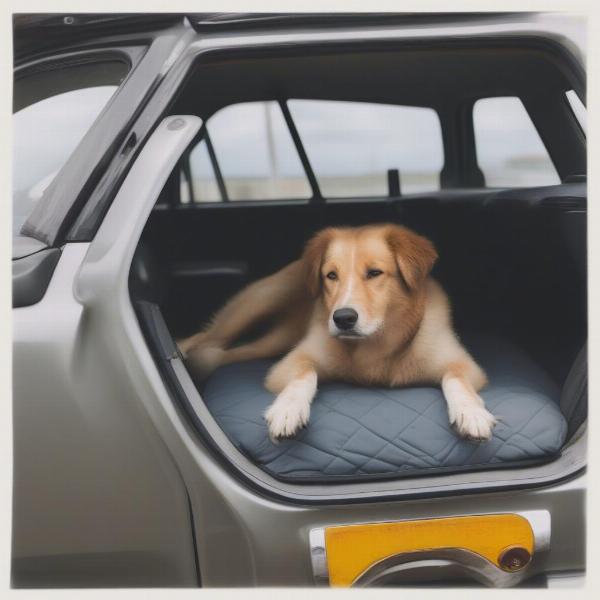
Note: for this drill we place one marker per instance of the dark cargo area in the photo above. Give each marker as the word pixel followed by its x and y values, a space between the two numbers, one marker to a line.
pixel 512 259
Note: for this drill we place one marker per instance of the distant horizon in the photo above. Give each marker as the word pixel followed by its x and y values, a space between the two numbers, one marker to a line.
pixel 348 144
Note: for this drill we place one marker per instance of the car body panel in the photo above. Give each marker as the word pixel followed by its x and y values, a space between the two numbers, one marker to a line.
pixel 98 500
pixel 92 485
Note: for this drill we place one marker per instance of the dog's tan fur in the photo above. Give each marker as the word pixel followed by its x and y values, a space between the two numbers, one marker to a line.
pixel 404 331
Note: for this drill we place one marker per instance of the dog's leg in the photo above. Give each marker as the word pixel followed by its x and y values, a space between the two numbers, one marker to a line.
pixel 294 379
pixel 204 358
pixel 466 410
pixel 254 303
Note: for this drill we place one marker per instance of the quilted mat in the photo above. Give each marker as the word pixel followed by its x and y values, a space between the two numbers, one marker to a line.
pixel 357 432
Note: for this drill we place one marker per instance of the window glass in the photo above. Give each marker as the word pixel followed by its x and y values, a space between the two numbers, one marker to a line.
pixel 510 152
pixel 184 190
pixel 352 145
pixel 53 111
pixel 204 182
pixel 578 109
pixel 256 156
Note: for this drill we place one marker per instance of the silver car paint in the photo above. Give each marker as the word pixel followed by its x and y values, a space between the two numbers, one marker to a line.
pixel 104 461
pixel 98 500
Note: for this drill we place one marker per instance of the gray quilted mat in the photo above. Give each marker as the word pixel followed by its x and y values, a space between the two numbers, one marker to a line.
pixel 355 431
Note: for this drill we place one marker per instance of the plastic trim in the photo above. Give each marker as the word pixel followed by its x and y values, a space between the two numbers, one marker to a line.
pixel 31 276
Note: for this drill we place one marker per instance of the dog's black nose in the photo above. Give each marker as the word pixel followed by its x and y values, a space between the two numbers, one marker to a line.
pixel 345 318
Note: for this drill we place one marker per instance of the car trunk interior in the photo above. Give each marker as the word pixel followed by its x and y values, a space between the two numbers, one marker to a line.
pixel 513 261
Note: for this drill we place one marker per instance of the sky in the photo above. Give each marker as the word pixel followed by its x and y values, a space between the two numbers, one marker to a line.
pixel 44 136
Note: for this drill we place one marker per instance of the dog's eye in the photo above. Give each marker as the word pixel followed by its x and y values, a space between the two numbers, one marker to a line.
pixel 373 273
pixel 332 275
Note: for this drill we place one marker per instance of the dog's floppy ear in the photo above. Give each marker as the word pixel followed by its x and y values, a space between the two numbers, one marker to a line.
pixel 312 258
pixel 415 255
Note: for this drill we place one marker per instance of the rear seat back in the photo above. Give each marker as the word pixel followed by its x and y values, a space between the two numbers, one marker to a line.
pixel 574 395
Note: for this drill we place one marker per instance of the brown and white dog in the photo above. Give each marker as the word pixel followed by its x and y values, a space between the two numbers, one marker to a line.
pixel 359 306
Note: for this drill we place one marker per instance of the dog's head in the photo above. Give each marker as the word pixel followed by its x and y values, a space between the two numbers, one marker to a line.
pixel 362 273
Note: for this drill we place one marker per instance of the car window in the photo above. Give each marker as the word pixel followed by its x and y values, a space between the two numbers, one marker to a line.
pixel 185 196
pixel 203 184
pixel 53 111
pixel 352 145
pixel 255 154
pixel 509 150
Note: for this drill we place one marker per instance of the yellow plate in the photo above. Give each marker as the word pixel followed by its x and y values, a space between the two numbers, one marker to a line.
pixel 353 549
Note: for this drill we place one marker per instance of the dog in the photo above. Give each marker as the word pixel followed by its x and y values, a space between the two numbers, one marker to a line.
pixel 359 306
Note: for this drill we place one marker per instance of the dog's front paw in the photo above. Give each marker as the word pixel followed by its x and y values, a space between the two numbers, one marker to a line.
pixel 288 413
pixel 472 420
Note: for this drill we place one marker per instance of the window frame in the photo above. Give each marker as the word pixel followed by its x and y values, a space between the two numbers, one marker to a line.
pixel 574 114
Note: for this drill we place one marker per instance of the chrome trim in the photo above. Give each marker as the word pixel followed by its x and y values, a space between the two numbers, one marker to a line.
pixel 440 562
pixel 541 524
pixel 318 556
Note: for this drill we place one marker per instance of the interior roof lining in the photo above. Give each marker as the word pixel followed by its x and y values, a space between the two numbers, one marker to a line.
pixel 420 77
